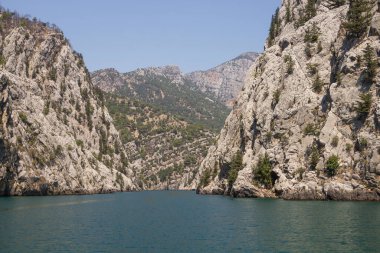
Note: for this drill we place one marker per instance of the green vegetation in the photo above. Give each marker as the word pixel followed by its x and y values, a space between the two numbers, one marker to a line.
pixel 361 145
pixel 363 106
pixel 46 107
pixel 335 141
pixel 79 143
pixel 2 60
pixel 276 97
pixel 182 101
pixel 89 112
pixel 205 178
pixel 312 34
pixel 359 17
pixel 314 157
pixel 288 13
pixel 310 129
pixel 53 74
pixel 312 68
pixel 332 165
pixel 317 84
pixel 371 64
pixel 308 51
pixel 289 64
pixel 308 13
pixel 275 28
pixel 235 166
pixel 23 117
pixel 262 171
pixel 348 147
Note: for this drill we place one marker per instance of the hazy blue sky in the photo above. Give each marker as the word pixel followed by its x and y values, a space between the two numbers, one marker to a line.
pixel 128 34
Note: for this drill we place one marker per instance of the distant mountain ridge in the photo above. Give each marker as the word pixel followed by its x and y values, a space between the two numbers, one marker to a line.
pixel 222 83
pixel 164 88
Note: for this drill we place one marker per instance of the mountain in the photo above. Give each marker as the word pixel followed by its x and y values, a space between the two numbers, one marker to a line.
pixel 164 151
pixel 164 88
pixel 56 135
pixel 225 81
pixel 306 125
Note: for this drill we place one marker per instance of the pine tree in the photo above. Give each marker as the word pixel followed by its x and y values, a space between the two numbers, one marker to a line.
pixel 308 13
pixel 370 63
pixel 288 14
pixel 359 17
pixel 310 9
pixel 312 34
pixel 274 29
pixel 235 167
pixel 363 106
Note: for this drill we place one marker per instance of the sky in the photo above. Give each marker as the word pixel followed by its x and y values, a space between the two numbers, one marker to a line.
pixel 130 34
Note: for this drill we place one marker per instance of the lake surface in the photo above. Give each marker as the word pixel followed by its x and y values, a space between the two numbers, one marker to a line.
pixel 174 221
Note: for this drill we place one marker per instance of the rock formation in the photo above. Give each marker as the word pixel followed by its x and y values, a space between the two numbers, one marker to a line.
pixel 307 121
pixel 226 80
pixel 56 136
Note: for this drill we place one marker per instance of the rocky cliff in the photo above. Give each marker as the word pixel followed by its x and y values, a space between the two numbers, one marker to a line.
pixel 306 125
pixel 56 135
pixel 225 80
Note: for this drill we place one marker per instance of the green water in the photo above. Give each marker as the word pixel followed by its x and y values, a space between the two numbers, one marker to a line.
pixel 185 222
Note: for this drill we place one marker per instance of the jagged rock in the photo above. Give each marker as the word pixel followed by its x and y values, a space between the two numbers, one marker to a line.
pixel 285 113
pixel 226 80
pixel 56 137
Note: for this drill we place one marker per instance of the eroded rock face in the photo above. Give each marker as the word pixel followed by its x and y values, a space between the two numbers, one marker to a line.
pixel 56 137
pixel 226 80
pixel 282 115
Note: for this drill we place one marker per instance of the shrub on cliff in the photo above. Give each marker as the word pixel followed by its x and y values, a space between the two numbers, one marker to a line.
pixel 363 106
pixel 262 171
pixel 332 165
pixel 371 64
pixel 359 17
pixel 235 166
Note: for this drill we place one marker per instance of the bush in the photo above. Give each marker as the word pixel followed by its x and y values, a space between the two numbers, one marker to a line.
pixel 332 165
pixel 363 106
pixel 312 34
pixel 289 64
pixel 205 178
pixel 262 172
pixel 2 60
pixel 308 51
pixel 348 148
pixel 46 107
pixel 79 143
pixel 310 129
pixel 276 98
pixel 235 166
pixel 317 84
pixel 314 157
pixel 53 74
pixel 335 141
pixel 23 117
pixel 312 68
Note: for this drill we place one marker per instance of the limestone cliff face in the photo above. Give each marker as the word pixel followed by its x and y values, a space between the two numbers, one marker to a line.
pixel 298 108
pixel 226 80
pixel 56 137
